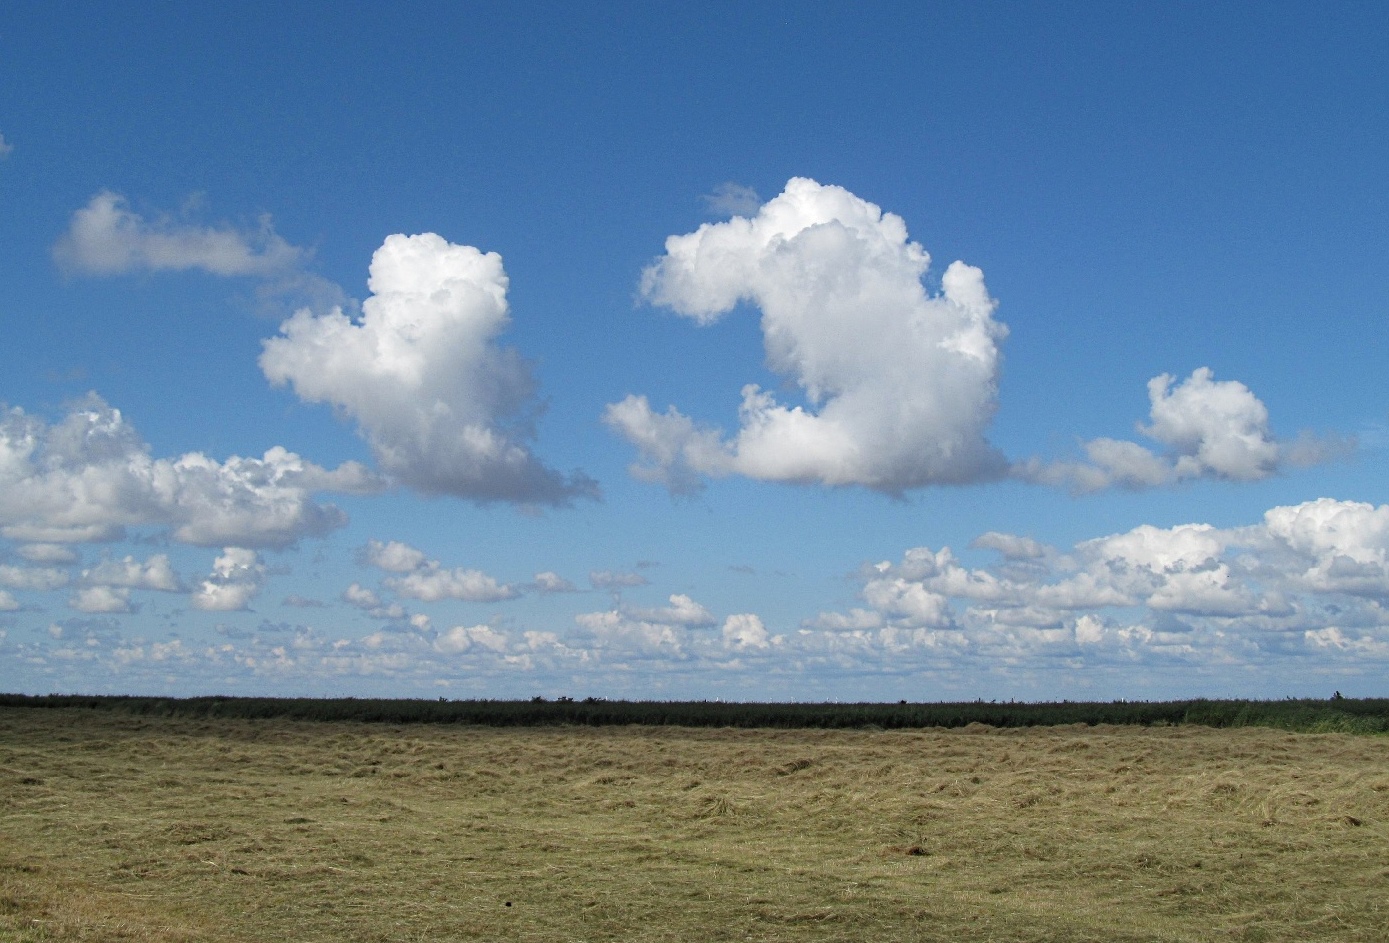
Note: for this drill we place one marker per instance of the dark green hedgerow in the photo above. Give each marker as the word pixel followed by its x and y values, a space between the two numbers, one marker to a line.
pixel 1339 715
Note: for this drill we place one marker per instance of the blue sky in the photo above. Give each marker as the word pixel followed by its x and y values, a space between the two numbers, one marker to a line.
pixel 624 351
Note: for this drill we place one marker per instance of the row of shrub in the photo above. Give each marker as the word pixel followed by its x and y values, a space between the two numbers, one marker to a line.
pixel 1337 714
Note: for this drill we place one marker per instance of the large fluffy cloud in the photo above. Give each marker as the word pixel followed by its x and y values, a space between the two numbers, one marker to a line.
pixel 106 237
pixel 1208 429
pixel 900 384
pixel 445 409
pixel 89 476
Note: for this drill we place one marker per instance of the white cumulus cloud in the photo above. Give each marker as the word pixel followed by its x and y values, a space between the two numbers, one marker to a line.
pixel 428 580
pixel 48 553
pixel 39 579
pixel 666 631
pixel 1208 428
pixel 90 476
pixel 744 631
pixel 900 384
pixel 370 603
pixel 156 573
pixel 682 611
pixel 431 584
pixel 1308 577
pixel 549 582
pixel 237 577
pixel 106 599
pixel 461 638
pixel 445 409
pixel 393 556
pixel 618 631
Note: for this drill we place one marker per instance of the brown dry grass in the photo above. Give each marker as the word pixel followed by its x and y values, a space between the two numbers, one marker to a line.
pixel 120 828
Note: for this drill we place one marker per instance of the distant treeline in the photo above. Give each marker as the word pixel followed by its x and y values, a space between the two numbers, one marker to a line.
pixel 1335 715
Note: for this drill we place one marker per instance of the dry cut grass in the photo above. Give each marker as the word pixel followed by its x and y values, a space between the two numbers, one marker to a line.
pixel 121 828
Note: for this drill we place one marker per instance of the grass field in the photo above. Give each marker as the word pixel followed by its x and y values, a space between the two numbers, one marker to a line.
pixel 115 827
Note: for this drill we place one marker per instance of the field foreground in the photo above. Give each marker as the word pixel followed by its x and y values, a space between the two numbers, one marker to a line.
pixel 115 827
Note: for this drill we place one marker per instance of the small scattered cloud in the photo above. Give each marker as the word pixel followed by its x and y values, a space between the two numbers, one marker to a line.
pixel 419 577
pixel 6 148
pixel 156 573
pixel 237 577
pixel 106 237
pixel 445 409
pixel 107 599
pixel 392 556
pixel 899 384
pixel 682 611
pixel 616 580
pixel 684 630
pixel 370 603
pixel 461 638
pixel 1010 546
pixel 732 199
pixel 627 633
pixel 547 583
pixel 1208 428
pixel 296 601
pixel 431 584
pixel 48 553
pixel 745 631
pixel 38 579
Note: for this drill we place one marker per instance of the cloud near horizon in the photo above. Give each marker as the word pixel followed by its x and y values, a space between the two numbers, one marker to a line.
pixel 899 384
pixel 1308 578
pixel 445 409
pixel 1306 585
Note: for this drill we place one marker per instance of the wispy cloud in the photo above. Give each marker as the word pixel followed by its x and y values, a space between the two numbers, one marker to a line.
pixel 732 199
pixel 106 237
